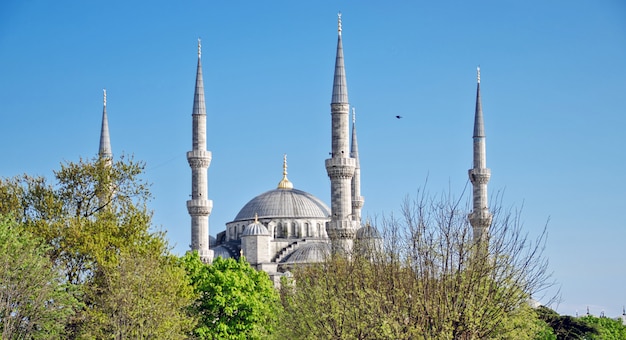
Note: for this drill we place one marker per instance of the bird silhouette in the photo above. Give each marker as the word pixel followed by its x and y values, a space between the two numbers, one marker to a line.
pixel 398 117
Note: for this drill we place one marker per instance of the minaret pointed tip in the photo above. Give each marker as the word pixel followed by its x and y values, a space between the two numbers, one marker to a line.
pixel 104 97
pixel 199 48
pixel 353 115
pixel 478 74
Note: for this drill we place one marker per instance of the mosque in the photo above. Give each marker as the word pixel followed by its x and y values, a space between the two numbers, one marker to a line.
pixel 286 226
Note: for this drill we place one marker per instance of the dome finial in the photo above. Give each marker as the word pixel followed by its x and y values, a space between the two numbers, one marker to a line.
pixel 478 74
pixel 284 183
pixel 339 22
pixel 256 218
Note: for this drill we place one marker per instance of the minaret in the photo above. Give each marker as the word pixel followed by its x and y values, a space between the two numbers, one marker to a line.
pixel 357 199
pixel 340 167
pixel 199 206
pixel 480 217
pixel 105 140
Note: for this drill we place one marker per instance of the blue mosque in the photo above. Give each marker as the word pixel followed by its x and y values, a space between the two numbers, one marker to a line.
pixel 287 226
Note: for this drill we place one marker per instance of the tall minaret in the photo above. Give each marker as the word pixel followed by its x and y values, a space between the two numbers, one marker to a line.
pixel 340 167
pixel 105 140
pixel 480 217
pixel 199 206
pixel 357 199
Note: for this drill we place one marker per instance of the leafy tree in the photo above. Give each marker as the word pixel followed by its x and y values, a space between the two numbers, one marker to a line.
pixel 97 225
pixel 143 296
pixel 234 301
pixel 34 302
pixel 608 329
pixel 430 281
pixel 565 326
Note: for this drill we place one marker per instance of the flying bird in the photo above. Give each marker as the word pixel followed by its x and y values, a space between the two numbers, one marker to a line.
pixel 398 117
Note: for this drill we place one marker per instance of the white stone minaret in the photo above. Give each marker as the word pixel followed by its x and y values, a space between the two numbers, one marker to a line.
pixel 105 140
pixel 199 206
pixel 480 217
pixel 340 167
pixel 357 199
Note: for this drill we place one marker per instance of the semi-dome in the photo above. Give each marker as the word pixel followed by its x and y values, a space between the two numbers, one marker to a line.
pixel 309 253
pixel 285 203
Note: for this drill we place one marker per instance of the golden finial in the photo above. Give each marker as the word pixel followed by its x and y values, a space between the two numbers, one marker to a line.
pixel 199 48
pixel 339 22
pixel 256 218
pixel 478 74
pixel 104 99
pixel 284 183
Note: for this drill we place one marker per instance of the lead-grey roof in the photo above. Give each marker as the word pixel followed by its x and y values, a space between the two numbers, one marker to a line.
pixel 479 125
pixel 105 140
pixel 254 229
pixel 284 203
pixel 367 231
pixel 340 85
pixel 309 253
pixel 221 251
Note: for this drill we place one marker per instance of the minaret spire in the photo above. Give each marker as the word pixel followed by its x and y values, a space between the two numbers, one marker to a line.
pixel 357 199
pixel 340 167
pixel 480 217
pixel 105 140
pixel 199 206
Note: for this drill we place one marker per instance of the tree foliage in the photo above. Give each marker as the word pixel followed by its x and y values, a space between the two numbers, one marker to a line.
pixel 431 281
pixel 34 301
pixel 608 329
pixel 97 226
pixel 142 296
pixel 234 301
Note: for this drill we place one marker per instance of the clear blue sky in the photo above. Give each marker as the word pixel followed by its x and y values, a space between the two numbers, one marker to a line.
pixel 553 89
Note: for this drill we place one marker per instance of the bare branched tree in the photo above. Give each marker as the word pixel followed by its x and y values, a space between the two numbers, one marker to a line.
pixel 429 280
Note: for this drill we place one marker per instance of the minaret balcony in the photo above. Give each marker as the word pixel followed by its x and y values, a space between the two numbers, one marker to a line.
pixel 340 167
pixel 199 158
pixel 341 229
pixel 199 207
pixel 479 175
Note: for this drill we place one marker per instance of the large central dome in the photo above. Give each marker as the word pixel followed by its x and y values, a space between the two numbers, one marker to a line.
pixel 286 203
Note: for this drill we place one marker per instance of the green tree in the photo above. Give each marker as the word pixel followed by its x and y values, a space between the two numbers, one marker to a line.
pixel 566 326
pixel 142 296
pixel 97 225
pixel 234 301
pixel 608 329
pixel 34 302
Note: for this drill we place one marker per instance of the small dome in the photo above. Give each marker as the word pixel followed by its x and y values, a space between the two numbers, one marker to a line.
pixel 281 203
pixel 221 251
pixel 309 253
pixel 254 229
pixel 367 232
